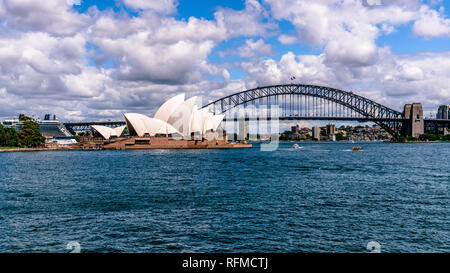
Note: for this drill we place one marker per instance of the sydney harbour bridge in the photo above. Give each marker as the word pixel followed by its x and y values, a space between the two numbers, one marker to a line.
pixel 313 102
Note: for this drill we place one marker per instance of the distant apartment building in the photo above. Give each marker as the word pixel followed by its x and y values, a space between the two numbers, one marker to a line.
pixel 316 132
pixel 295 129
pixel 443 112
pixel 305 131
pixel 331 129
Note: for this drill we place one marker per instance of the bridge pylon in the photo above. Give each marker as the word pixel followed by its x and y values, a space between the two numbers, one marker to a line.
pixel 414 125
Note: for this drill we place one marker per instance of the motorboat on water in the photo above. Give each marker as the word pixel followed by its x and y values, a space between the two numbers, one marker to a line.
pixel 296 146
pixel 357 148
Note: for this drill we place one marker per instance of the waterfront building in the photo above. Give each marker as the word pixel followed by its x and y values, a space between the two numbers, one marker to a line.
pixel 178 124
pixel 443 112
pixel 177 117
pixel 295 129
pixel 316 132
pixel 331 129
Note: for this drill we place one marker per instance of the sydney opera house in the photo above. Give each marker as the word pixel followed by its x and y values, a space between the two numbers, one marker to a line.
pixel 177 124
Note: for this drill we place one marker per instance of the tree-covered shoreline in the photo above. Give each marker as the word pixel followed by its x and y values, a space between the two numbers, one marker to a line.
pixel 29 135
pixel 8 137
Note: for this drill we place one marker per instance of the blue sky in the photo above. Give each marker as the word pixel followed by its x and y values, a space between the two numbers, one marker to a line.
pixel 98 59
pixel 402 41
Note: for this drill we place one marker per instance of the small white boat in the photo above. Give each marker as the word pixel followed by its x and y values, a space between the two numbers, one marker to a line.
pixel 296 146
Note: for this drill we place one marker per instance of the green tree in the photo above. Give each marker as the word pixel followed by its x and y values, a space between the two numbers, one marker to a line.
pixel 29 135
pixel 8 137
pixel 340 136
pixel 431 137
pixel 286 135
pixel 434 137
pixel 2 136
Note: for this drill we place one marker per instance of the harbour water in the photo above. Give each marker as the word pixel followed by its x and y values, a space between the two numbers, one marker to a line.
pixel 318 197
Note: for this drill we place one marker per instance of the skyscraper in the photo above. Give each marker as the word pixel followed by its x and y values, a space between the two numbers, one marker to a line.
pixel 443 112
pixel 316 132
pixel 331 129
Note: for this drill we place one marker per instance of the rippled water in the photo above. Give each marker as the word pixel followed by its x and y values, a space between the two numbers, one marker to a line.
pixel 321 197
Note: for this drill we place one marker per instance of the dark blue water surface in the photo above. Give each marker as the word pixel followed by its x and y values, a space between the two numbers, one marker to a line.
pixel 320 198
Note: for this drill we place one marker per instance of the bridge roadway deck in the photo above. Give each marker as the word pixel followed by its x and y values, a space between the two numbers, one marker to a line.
pixel 360 119
pixel 90 123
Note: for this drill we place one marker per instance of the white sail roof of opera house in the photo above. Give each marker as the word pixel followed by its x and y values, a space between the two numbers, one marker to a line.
pixel 175 116
pixel 165 111
pixel 198 119
pixel 204 121
pixel 212 123
pixel 108 132
pixel 143 125
pixel 180 118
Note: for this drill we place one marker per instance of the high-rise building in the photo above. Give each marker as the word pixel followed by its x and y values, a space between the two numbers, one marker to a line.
pixel 443 112
pixel 295 129
pixel 331 129
pixel 316 132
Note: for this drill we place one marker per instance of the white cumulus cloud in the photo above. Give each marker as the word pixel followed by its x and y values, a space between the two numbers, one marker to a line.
pixel 160 6
pixel 53 16
pixel 431 24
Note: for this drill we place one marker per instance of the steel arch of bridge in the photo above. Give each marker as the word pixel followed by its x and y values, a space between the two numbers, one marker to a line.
pixel 369 110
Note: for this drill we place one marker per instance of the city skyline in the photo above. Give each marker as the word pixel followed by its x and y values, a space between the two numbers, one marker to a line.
pixel 87 60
